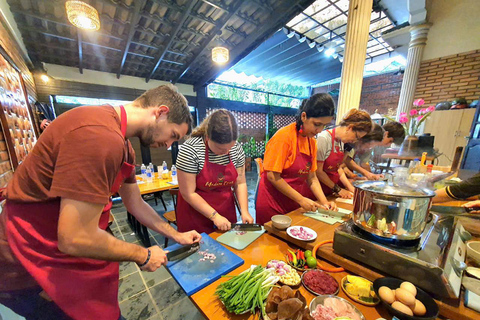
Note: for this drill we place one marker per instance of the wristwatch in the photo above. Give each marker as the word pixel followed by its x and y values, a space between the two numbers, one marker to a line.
pixel 336 188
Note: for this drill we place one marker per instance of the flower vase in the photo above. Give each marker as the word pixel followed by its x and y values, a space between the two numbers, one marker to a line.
pixel 409 146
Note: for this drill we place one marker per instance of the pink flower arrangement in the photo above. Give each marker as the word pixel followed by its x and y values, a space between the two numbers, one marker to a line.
pixel 415 118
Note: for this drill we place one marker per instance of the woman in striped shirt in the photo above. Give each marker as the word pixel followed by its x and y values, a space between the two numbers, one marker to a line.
pixel 210 164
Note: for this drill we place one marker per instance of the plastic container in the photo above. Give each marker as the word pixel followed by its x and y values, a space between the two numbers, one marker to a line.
pixel 143 170
pixel 174 174
pixel 149 174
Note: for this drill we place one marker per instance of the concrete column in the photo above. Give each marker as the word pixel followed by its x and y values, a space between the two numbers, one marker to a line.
pixel 358 23
pixel 418 40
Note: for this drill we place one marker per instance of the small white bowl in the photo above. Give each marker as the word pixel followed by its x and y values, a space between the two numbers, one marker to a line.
pixel 473 250
pixel 281 221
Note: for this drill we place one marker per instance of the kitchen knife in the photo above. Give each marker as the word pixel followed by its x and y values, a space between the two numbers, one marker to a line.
pixel 183 252
pixel 451 210
pixel 246 227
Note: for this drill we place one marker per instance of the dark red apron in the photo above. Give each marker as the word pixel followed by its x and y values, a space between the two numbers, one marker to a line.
pixel 271 201
pixel 331 165
pixel 214 184
pixel 83 288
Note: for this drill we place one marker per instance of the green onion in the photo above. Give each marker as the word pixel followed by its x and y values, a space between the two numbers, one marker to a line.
pixel 248 290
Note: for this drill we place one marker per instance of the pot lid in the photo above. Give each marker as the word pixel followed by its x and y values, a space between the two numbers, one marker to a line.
pixel 383 187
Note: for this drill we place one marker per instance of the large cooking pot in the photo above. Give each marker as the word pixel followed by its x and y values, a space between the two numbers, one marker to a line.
pixel 391 211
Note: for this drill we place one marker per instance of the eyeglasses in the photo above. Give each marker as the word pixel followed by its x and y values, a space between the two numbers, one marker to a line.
pixel 356 135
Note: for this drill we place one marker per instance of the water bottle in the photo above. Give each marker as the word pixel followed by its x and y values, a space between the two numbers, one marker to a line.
pixel 149 174
pixel 174 174
pixel 164 170
pixel 150 165
pixel 143 169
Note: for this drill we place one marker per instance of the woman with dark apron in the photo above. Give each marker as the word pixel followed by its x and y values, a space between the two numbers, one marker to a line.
pixel 289 181
pixel 330 152
pixel 211 167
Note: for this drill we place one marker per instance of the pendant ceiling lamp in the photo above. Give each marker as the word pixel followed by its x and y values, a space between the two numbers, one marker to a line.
pixel 82 15
pixel 220 55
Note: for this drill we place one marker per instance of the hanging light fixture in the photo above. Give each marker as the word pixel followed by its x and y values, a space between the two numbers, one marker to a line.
pixel 220 55
pixel 82 15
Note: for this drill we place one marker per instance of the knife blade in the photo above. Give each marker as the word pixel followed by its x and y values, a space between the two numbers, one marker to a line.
pixel 246 227
pixel 450 210
pixel 183 252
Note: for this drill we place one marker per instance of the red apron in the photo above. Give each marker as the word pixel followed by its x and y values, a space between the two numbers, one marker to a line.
pixel 271 201
pixel 331 165
pixel 83 288
pixel 214 184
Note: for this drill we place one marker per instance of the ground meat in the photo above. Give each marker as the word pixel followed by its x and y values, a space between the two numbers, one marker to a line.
pixel 320 282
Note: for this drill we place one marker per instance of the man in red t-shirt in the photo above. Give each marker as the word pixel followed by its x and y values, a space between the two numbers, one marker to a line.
pixel 52 229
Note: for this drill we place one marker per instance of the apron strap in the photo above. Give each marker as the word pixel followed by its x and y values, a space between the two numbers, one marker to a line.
pixel 123 121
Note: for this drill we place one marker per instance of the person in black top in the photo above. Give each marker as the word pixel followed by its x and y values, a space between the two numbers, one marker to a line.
pixel 461 191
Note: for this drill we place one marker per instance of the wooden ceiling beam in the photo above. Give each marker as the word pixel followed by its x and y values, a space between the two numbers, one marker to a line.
pixel 233 10
pixel 55 20
pixel 277 19
pixel 139 4
pixel 161 54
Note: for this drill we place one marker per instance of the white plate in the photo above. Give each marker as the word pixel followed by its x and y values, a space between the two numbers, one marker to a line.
pixel 289 232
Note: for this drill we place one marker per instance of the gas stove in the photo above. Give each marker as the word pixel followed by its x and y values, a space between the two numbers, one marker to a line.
pixel 434 263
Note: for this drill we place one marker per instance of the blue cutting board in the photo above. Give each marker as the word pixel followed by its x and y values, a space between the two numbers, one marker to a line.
pixel 193 275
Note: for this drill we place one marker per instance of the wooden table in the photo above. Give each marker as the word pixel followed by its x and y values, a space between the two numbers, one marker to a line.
pixel 262 250
pixel 407 159
pixel 451 309
pixel 157 185
pixel 274 244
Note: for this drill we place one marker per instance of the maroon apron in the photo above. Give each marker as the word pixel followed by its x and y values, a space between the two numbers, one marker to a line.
pixel 214 184
pixel 271 201
pixel 331 165
pixel 83 288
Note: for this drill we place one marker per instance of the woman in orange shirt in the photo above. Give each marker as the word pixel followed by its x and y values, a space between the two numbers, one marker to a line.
pixel 290 163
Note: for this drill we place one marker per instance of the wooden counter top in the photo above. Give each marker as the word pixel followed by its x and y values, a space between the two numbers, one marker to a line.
pixel 325 232
pixel 264 249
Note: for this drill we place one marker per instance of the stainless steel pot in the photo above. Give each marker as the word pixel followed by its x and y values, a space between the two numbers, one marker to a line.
pixel 391 211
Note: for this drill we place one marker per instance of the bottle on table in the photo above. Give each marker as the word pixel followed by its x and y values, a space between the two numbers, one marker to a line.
pixel 149 174
pixel 143 170
pixel 165 174
pixel 414 166
pixel 174 174
pixel 150 165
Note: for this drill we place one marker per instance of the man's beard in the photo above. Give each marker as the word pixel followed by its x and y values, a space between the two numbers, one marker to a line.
pixel 146 137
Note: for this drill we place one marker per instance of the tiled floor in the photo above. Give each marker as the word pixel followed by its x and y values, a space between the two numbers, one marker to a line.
pixel 152 295
pixel 156 295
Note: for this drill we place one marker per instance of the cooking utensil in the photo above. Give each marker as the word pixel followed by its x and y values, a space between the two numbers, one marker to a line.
pixel 393 283
pixel 391 211
pixel 246 227
pixel 240 239
pixel 340 213
pixel 183 252
pixel 193 274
